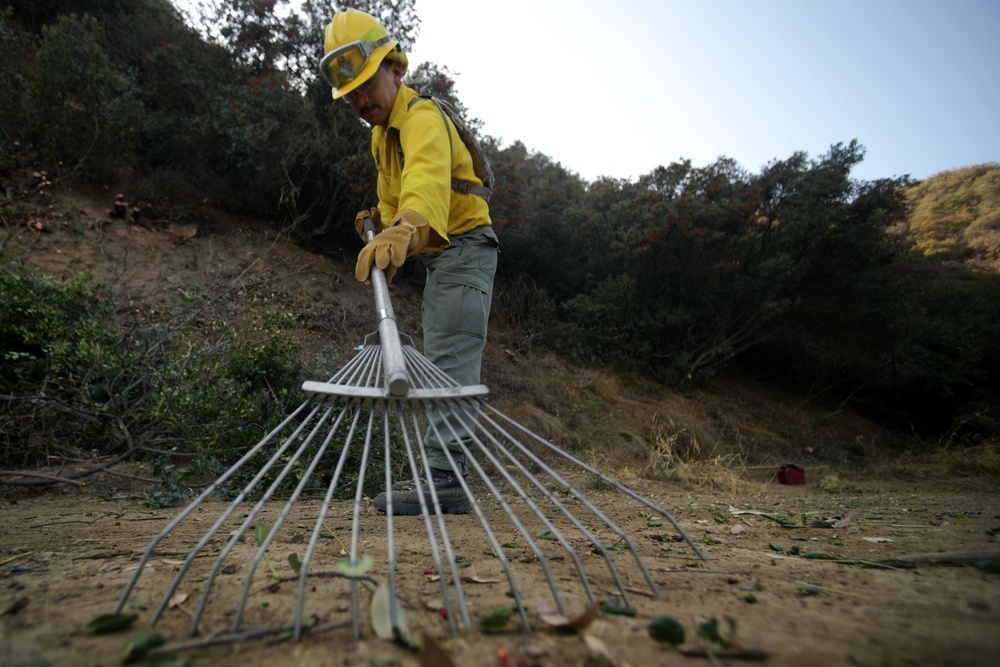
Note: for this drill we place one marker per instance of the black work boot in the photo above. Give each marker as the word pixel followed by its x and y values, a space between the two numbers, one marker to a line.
pixel 406 501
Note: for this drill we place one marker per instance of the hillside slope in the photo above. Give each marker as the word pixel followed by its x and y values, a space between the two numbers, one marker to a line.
pixel 623 422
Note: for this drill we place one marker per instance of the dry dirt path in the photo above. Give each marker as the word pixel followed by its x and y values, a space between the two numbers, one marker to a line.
pixel 65 557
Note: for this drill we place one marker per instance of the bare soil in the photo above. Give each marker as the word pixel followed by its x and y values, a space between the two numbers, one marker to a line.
pixel 66 554
pixel 69 555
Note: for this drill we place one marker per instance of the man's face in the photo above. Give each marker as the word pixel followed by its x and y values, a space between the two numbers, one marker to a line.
pixel 373 99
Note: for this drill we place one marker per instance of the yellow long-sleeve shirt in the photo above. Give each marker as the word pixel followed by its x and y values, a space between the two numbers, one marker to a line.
pixel 419 188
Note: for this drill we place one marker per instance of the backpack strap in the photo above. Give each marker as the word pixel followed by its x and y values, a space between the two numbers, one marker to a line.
pixel 456 184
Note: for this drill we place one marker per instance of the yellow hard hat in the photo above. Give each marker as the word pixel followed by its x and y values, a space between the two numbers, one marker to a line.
pixel 355 45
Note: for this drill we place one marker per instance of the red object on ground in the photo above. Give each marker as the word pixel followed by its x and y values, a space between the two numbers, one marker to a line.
pixel 791 474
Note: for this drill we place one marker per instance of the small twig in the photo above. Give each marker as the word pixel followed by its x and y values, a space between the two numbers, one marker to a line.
pixel 94 555
pixel 691 570
pixel 17 557
pixel 39 475
pixel 126 475
pixel 325 574
pixel 736 653
pixel 220 640
pixel 56 523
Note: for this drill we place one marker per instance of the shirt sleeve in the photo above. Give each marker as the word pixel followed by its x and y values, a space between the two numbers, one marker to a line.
pixel 426 177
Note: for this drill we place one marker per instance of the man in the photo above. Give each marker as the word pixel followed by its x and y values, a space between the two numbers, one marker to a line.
pixel 431 204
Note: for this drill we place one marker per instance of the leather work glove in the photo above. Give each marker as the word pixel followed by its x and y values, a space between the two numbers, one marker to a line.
pixel 359 222
pixel 390 249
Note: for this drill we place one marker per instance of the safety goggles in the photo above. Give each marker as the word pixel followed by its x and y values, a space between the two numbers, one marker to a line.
pixel 342 65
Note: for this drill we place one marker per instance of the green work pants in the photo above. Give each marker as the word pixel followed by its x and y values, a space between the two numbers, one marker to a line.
pixel 456 309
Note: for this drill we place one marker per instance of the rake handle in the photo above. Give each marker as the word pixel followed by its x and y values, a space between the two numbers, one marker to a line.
pixel 397 379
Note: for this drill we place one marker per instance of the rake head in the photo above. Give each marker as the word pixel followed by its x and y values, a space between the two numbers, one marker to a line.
pixel 528 510
pixel 529 517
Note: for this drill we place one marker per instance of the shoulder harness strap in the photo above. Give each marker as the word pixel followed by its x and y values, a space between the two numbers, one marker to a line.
pixel 456 184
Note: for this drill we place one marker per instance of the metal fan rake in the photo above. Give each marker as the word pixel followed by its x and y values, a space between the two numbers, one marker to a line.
pixel 528 510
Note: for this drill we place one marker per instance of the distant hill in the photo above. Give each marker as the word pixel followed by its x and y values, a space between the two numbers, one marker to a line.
pixel 955 216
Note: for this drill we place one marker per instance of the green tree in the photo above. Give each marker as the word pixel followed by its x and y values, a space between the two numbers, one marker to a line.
pixel 15 73
pixel 85 107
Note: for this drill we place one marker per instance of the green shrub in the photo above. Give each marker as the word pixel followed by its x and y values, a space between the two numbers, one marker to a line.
pixel 51 334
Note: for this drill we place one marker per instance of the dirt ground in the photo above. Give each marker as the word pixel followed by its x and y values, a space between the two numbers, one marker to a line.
pixel 66 557
pixel 67 554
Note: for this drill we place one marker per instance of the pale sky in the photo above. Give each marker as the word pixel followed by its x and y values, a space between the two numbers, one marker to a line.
pixel 618 91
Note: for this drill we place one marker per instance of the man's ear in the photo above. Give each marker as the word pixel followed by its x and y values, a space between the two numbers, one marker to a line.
pixel 397 70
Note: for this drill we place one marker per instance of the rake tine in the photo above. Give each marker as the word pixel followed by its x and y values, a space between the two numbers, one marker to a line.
pixel 390 544
pixel 356 522
pixel 622 535
pixel 517 523
pixel 604 478
pixel 321 517
pixel 169 528
pixel 456 576
pixel 224 517
pixel 428 526
pixel 491 536
pixel 595 542
pixel 571 552
pixel 273 531
pixel 442 530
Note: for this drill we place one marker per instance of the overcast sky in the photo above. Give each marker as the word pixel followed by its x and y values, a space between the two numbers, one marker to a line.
pixel 618 91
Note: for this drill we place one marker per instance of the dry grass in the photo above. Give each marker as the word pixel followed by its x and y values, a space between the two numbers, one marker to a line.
pixel 968 453
pixel 677 455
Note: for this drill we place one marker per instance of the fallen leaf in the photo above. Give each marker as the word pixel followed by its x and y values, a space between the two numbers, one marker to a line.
pixel 106 623
pixel 435 604
pixel 357 569
pixel 552 618
pixel 508 659
pixel 877 540
pixel 987 566
pixel 293 561
pixel 381 612
pixel 137 646
pixel 470 576
pixel 666 630
pixel 177 600
pixel 599 649
pixel 496 619
pixel 613 605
